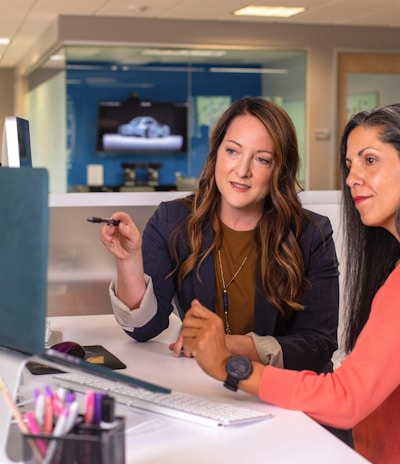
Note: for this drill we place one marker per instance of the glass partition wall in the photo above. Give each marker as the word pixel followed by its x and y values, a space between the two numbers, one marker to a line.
pixel 138 118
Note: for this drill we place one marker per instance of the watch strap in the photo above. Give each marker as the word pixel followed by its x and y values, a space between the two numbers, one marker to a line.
pixel 231 383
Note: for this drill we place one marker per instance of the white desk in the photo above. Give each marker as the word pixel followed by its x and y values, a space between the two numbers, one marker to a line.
pixel 151 439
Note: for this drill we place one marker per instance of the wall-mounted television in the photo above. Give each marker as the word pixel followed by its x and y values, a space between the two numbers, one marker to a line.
pixel 134 126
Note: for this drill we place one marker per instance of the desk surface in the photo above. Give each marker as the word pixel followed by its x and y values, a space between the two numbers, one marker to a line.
pixel 288 437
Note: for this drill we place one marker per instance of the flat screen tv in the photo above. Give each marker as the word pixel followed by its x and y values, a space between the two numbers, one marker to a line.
pixel 134 126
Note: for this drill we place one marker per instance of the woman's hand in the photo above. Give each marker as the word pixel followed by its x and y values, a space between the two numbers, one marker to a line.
pixel 179 349
pixel 204 336
pixel 123 240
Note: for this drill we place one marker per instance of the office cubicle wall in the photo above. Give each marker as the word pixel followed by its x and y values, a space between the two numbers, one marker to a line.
pixel 80 268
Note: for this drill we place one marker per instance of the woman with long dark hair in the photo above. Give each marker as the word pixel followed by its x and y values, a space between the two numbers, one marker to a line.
pixel 364 392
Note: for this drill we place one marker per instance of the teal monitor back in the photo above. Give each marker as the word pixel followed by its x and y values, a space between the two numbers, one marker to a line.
pixel 23 258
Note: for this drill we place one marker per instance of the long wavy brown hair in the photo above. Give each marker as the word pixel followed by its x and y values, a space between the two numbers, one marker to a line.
pixel 278 230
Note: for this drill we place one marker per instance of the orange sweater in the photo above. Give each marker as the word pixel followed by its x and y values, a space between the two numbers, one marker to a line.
pixel 364 392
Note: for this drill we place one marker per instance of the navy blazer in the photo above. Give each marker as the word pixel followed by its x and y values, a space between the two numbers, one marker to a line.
pixel 308 338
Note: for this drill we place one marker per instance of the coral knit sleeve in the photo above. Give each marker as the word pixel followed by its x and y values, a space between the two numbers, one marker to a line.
pixel 365 387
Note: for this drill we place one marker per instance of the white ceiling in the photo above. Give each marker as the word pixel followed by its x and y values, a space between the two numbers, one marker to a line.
pixel 25 20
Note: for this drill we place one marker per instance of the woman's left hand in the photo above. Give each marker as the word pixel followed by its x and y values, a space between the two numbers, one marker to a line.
pixel 179 349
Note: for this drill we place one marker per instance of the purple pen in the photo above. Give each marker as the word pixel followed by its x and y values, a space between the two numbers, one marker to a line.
pixel 72 416
pixel 61 424
pixel 70 398
pixel 97 416
pixel 59 429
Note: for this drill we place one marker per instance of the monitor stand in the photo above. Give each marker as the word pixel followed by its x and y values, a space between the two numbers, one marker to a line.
pixel 11 368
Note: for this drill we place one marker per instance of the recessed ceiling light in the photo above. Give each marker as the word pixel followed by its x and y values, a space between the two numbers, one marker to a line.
pixel 272 11
pixel 4 40
pixel 137 9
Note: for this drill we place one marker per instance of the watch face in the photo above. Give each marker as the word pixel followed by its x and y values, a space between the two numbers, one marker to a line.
pixel 239 367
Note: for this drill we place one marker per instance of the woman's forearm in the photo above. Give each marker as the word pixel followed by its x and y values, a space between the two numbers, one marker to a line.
pixel 242 344
pixel 131 284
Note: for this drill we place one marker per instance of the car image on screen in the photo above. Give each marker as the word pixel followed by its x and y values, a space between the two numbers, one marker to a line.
pixel 144 126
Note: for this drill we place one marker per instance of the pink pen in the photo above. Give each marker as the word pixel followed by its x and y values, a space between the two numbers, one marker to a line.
pixel 89 407
pixel 58 404
pixel 35 429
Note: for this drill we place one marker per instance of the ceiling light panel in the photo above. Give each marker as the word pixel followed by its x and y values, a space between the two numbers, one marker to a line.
pixel 270 11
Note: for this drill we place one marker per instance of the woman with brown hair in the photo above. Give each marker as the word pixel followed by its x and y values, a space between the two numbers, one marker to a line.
pixel 241 244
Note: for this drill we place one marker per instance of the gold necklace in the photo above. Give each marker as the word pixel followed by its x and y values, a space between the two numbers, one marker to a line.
pixel 225 287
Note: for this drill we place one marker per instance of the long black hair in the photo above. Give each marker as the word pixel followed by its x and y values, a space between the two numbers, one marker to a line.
pixel 371 252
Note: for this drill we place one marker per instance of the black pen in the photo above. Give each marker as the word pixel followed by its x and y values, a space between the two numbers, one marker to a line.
pixel 109 221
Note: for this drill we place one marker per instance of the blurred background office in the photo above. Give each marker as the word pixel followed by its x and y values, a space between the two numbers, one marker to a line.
pixel 77 69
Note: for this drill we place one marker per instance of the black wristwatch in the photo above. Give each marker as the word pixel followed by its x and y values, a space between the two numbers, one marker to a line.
pixel 238 368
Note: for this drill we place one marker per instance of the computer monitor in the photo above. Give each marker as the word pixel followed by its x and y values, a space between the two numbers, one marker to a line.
pixel 16 148
pixel 24 213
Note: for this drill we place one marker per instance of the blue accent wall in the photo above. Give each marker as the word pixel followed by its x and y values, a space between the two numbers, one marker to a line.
pixel 87 84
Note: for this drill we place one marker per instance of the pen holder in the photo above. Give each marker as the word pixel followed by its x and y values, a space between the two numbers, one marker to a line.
pixel 85 444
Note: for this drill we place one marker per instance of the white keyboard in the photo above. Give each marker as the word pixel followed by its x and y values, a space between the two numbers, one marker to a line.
pixel 175 404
